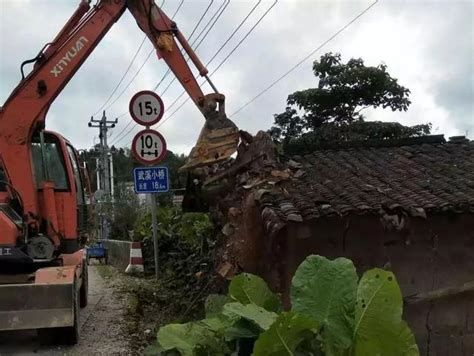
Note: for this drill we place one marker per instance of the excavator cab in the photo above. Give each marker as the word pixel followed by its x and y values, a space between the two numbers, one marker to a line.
pixel 55 160
pixel 62 191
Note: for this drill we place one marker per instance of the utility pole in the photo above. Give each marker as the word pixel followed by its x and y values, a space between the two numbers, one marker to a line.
pixel 104 182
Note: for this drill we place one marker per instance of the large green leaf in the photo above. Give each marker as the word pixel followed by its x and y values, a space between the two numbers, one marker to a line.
pixel 188 339
pixel 152 350
pixel 218 323
pixel 326 291
pixel 285 335
pixel 379 328
pixel 247 288
pixel 258 315
pixel 214 304
pixel 242 329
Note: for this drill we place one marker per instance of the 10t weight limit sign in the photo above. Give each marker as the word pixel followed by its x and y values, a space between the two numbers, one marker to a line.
pixel 149 147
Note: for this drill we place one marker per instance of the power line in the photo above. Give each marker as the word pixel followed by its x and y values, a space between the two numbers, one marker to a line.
pixel 206 26
pixel 234 32
pixel 286 73
pixel 126 71
pixel 177 9
pixel 123 76
pixel 146 60
pixel 190 36
pixel 223 61
pixel 128 124
pixel 131 80
pixel 220 64
pixel 200 20
pixel 210 24
pixel 305 58
pixel 197 46
pixel 217 13
pixel 213 24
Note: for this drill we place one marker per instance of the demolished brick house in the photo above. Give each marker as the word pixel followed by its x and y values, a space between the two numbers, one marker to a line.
pixel 404 205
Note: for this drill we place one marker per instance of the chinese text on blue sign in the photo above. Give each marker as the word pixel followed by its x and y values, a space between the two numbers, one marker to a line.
pixel 151 179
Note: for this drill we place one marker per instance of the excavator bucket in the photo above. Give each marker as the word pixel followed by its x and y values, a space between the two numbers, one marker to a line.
pixel 218 139
pixel 213 146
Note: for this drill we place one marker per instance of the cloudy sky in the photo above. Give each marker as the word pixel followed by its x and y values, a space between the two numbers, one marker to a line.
pixel 427 45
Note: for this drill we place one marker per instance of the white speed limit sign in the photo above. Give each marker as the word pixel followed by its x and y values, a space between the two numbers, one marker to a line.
pixel 149 147
pixel 146 108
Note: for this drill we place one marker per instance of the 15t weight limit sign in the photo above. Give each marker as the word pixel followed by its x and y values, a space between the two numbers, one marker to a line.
pixel 149 147
pixel 146 108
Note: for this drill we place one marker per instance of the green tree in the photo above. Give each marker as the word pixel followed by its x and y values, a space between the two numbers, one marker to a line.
pixel 332 110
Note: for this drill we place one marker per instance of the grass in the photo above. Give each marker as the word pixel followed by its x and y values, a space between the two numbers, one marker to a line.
pixel 105 271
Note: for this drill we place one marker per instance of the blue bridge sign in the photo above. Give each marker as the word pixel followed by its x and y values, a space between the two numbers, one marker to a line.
pixel 151 180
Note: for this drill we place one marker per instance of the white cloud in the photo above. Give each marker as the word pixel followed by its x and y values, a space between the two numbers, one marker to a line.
pixel 426 45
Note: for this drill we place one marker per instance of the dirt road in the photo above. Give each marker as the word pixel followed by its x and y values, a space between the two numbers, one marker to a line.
pixel 101 327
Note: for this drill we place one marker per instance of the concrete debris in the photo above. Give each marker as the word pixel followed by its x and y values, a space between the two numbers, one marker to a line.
pixel 294 164
pixel 254 184
pixel 280 174
pixel 228 229
pixel 234 212
pixel 226 270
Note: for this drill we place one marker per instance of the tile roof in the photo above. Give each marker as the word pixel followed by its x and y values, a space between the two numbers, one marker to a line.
pixel 413 179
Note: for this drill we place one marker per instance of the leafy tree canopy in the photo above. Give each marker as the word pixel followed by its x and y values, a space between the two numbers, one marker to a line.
pixel 332 110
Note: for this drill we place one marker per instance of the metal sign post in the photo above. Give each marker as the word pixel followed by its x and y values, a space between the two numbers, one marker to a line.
pixel 154 223
pixel 149 147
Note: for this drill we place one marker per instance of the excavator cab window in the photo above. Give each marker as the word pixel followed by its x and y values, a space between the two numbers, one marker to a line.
pixel 77 176
pixel 49 159
pixel 82 211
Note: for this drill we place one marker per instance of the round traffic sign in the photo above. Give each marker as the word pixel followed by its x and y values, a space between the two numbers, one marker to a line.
pixel 149 146
pixel 146 108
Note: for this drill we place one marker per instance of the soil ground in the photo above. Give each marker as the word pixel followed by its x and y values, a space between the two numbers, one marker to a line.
pixel 103 326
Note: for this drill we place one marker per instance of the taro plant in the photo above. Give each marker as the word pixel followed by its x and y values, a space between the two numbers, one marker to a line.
pixel 333 313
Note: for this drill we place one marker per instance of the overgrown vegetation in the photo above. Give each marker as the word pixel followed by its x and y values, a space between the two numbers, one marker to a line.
pixel 333 313
pixel 186 243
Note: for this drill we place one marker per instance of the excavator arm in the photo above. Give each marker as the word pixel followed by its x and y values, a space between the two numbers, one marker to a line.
pixel 24 112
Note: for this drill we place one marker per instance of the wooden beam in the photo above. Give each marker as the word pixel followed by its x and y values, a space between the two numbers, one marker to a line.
pixel 439 294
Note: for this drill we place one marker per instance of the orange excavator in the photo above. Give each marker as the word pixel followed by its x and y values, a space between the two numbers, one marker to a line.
pixel 43 205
